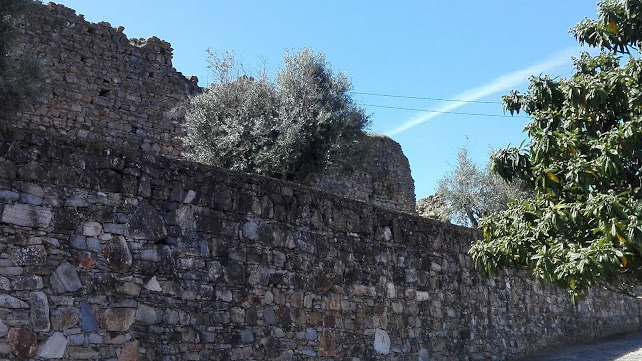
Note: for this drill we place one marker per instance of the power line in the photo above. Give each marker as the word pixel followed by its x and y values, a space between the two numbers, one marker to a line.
pixel 426 98
pixel 444 112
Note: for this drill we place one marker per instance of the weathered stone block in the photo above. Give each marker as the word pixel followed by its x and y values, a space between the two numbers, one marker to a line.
pixel 250 230
pixel 147 315
pixel 32 171
pixel 131 352
pixel 7 168
pixel 235 273
pixel 31 255
pixel 65 319
pixel 65 279
pixel 26 215
pixel 9 196
pixel 327 347
pixel 88 320
pixel 23 343
pixel 92 229
pixel 54 347
pixel 118 256
pixel 65 219
pixel 147 224
pixel 247 336
pixel 8 301
pixel 118 319
pixel 381 342
pixel 40 312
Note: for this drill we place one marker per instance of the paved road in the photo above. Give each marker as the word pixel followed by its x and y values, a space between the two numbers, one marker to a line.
pixel 626 347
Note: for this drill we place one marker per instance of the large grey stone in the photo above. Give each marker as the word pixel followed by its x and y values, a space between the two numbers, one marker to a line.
pixel 65 319
pixel 310 334
pixel 65 279
pixel 7 168
pixel 382 342
pixel 118 255
pixel 153 285
pixel 28 256
pixel 247 336
pixel 91 229
pixel 185 217
pixel 9 195
pixel 87 318
pixel 26 215
pixel 65 219
pixel 32 171
pixel 7 301
pixel 250 230
pixel 269 315
pixel 30 282
pixel 423 355
pixel 119 319
pixel 3 329
pixel 147 315
pixel 130 351
pixel 147 224
pixel 40 312
pixel 54 347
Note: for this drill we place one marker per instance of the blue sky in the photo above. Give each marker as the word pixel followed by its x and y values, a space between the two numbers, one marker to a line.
pixel 471 50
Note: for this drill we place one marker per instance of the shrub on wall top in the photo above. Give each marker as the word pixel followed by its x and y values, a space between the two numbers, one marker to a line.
pixel 295 127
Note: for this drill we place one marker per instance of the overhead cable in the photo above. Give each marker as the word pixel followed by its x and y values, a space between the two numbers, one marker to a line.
pixel 444 112
pixel 426 98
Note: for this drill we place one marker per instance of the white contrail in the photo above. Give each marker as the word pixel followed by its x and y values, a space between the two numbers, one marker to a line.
pixel 501 83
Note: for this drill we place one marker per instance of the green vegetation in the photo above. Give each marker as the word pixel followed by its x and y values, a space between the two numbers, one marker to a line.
pixel 470 193
pixel 19 77
pixel 295 127
pixel 583 224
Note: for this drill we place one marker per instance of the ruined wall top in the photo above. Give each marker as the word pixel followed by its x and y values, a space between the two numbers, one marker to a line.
pixel 100 85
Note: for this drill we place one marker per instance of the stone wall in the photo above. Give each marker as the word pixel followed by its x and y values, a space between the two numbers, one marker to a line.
pixel 382 179
pixel 105 88
pixel 101 86
pixel 110 254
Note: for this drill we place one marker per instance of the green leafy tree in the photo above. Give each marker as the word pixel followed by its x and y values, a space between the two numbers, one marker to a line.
pixel 583 224
pixel 470 193
pixel 295 127
pixel 19 77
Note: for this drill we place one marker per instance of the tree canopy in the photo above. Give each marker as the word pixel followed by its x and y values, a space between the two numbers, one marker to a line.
pixel 583 223
pixel 294 127
pixel 470 193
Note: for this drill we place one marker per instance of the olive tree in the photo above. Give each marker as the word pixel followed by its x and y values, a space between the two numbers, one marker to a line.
pixel 293 127
pixel 583 223
pixel 470 193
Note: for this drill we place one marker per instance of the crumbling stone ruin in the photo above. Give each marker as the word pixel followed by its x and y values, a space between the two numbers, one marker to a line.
pixel 113 248
pixel 106 89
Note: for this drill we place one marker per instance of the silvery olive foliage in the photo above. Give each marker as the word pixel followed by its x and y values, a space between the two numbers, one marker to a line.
pixel 470 193
pixel 19 76
pixel 294 127
pixel 583 224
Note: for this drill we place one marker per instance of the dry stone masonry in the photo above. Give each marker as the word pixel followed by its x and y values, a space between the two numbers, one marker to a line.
pixel 106 89
pixel 112 248
pixel 383 178
pixel 101 86
pixel 121 255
